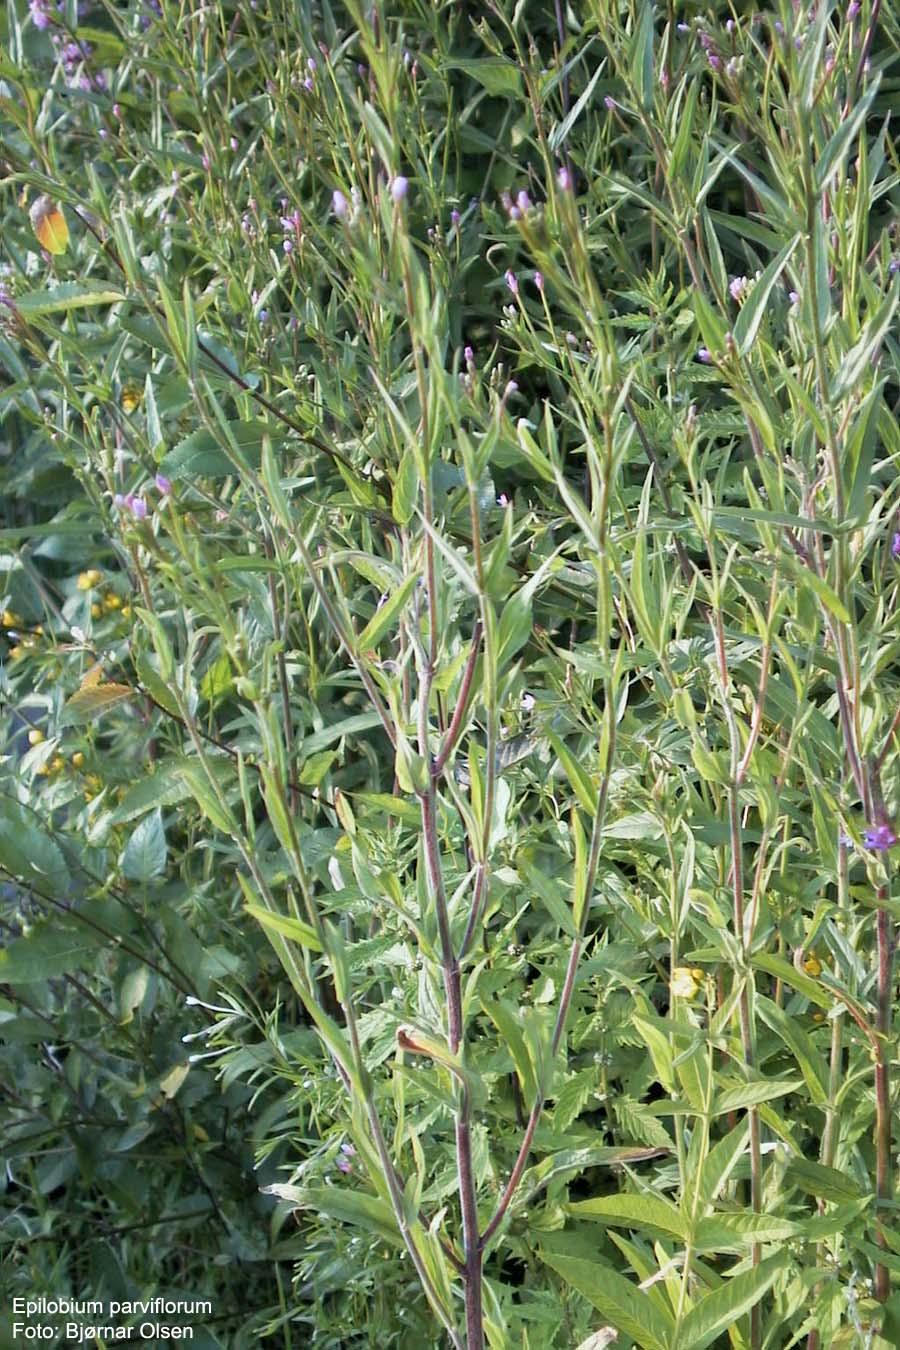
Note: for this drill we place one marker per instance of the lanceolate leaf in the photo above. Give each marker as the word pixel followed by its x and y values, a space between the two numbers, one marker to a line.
pixel 619 1301
pixel 725 1306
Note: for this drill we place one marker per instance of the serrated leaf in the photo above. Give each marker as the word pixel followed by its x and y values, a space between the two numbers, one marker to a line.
pixel 28 853
pixel 146 852
pixel 643 1213
pixel 494 73
pixel 45 953
pixel 202 454
pixel 825 1182
pixel 620 1302
pixel 723 1232
pixel 752 1094
pixel 92 701
pixel 721 1309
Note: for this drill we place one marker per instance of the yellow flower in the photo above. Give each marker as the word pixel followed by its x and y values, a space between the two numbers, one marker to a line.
pixel 126 611
pixel 15 653
pixel 35 736
pixel 57 764
pixel 10 619
pixel 77 760
pixel 813 966
pixel 96 610
pixel 89 578
pixel 112 601
pixel 131 399
pixel 686 982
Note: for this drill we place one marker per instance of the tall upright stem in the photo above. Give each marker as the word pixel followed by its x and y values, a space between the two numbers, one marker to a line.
pixel 883 1183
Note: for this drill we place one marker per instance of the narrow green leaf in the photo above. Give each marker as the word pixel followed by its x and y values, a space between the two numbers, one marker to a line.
pixel 287 926
pixel 725 1306
pixel 68 295
pixel 809 1060
pixel 797 979
pixel 747 323
pixel 839 145
pixel 825 1182
pixel 579 779
pixel 724 1232
pixel 348 727
pixel 751 1094
pixel 386 615
pixel 643 1213
pixel 504 1017
pixel 619 1302
pixel 406 488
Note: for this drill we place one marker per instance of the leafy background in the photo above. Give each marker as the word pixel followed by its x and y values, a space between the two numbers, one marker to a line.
pixel 574 412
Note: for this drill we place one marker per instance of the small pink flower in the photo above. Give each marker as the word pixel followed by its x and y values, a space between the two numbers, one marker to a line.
pixel 163 484
pixel 539 281
pixel 339 204
pixel 564 180
pixel 399 188
pixel 512 281
pixel 138 507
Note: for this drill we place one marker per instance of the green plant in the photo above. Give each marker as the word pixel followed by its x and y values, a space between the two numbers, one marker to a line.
pixel 506 597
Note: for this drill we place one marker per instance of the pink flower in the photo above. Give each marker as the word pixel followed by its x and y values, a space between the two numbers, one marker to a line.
pixel 399 188
pixel 339 204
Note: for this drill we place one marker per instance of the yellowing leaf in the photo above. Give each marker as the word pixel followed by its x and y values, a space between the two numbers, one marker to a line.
pixel 94 699
pixel 172 1081
pixel 49 224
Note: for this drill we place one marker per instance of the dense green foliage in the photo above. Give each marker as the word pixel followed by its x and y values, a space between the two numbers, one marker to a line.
pixel 448 567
